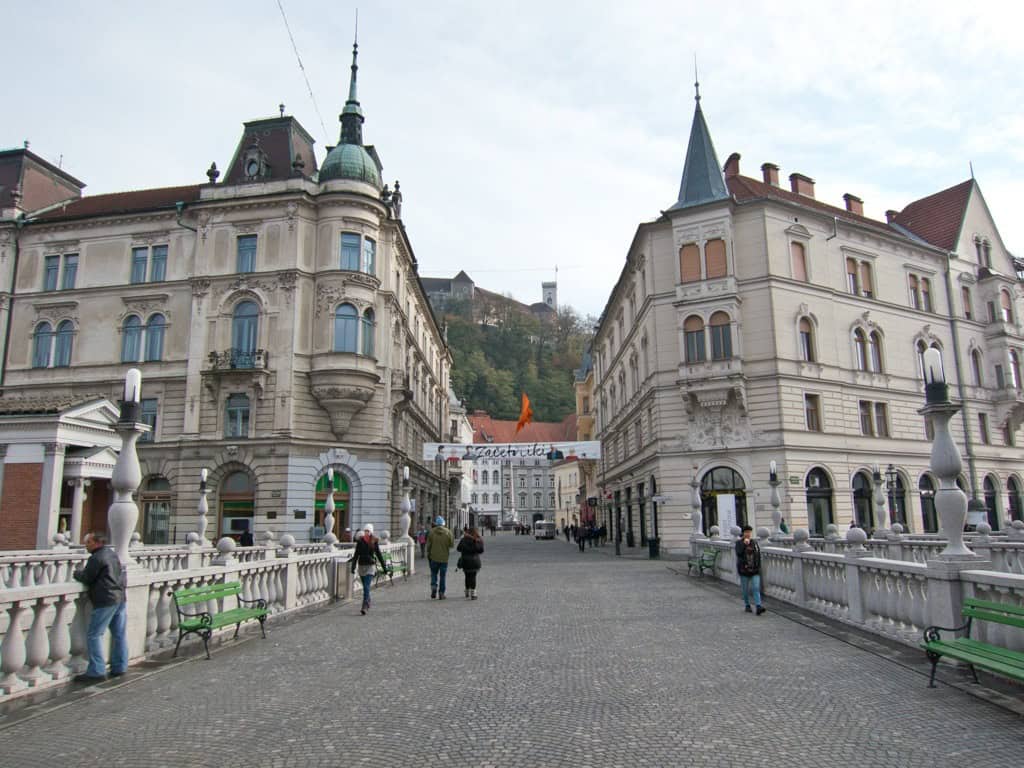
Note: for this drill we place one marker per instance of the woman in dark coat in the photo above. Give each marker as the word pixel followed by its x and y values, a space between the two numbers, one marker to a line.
pixel 470 548
pixel 367 548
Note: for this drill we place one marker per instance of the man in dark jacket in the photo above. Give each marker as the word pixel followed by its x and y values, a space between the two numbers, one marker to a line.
pixel 104 577
pixel 748 566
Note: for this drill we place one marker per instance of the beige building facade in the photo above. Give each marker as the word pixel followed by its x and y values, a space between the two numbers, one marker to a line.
pixel 277 318
pixel 753 323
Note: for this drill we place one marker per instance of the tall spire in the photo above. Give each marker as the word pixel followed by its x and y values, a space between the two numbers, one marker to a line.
pixel 702 175
pixel 352 115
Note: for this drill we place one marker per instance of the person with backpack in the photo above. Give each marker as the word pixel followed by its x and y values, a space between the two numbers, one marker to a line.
pixel 367 548
pixel 470 549
pixel 748 566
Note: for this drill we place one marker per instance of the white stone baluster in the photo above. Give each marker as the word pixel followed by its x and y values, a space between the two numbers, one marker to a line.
pixel 60 639
pixel 12 651
pixel 37 646
pixel 79 627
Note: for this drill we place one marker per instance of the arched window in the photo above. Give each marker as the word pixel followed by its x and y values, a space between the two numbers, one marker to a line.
pixel 976 367
pixel 62 349
pixel 131 339
pixel 714 253
pixel 369 331
pixel 244 328
pixel 155 337
pixel 721 336
pixel 1015 369
pixel 237 504
pixel 863 511
pixel 346 328
pixel 723 482
pixel 42 342
pixel 484 477
pixel 474 498
pixel 929 519
pixel 818 492
pixel 799 258
pixel 806 341
pixel 1006 307
pixel 1015 502
pixel 693 330
pixel 156 510
pixel 875 352
pixel 689 263
pixel 991 501
pixel 860 345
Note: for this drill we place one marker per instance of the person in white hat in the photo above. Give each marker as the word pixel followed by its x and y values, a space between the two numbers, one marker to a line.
pixel 367 548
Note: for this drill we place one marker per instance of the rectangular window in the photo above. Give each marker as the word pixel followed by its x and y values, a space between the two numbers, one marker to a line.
pixel 689 263
pixel 52 270
pixel 915 294
pixel 799 258
pixel 1000 381
pixel 721 342
pixel 866 284
pixel 237 422
pixel 536 482
pixel 812 411
pixel 714 253
pixel 349 251
pixel 991 312
pixel 1007 435
pixel 148 417
pixel 247 253
pixel 67 279
pixel 966 298
pixel 852 283
pixel 639 435
pixel 866 427
pixel 881 420
pixel 140 259
pixel 695 352
pixel 158 270
pixel 926 294
pixel 369 256
pixel 983 428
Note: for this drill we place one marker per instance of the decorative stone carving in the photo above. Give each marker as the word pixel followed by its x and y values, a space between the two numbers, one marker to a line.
pixel 290 210
pixel 204 225
pixel 343 401
pixel 286 282
pixel 57 311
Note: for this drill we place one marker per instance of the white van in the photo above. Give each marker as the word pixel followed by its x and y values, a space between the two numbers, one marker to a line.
pixel 544 529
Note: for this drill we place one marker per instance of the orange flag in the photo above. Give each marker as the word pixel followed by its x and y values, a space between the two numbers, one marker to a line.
pixel 525 414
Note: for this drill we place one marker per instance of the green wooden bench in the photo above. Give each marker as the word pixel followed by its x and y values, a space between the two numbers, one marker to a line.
pixel 203 622
pixel 976 653
pixel 394 566
pixel 706 561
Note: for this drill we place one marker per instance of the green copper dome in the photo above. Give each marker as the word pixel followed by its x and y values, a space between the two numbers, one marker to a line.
pixel 350 161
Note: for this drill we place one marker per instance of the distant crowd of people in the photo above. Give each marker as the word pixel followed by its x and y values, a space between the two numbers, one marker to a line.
pixel 586 534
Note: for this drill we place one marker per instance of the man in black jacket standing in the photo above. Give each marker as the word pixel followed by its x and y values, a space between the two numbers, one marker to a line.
pixel 104 577
pixel 748 566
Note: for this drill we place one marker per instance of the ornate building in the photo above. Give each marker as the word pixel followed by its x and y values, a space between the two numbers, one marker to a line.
pixel 753 323
pixel 278 320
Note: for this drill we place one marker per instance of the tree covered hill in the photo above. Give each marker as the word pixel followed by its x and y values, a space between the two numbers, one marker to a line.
pixel 501 348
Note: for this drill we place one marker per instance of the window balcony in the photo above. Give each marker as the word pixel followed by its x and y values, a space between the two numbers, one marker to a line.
pixel 237 370
pixel 235 358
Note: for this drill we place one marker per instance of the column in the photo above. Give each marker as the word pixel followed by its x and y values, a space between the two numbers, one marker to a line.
pixel 49 493
pixel 3 460
pixel 75 533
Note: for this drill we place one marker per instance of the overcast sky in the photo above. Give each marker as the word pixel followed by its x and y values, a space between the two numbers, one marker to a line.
pixel 530 134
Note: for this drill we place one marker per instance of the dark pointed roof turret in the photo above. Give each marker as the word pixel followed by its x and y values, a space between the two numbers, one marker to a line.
pixel 702 175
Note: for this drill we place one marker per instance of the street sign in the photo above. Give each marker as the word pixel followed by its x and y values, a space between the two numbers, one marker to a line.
pixel 661 499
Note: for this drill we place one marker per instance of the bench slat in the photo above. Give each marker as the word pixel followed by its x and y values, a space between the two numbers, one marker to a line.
pixel 193 595
pixel 991 605
pixel 1012 671
pixel 992 651
pixel 996 617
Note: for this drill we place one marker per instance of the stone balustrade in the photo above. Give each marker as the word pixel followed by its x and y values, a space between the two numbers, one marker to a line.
pixel 44 613
pixel 893 587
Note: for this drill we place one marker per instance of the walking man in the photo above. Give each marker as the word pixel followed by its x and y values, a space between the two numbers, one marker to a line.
pixel 748 565
pixel 104 577
pixel 439 544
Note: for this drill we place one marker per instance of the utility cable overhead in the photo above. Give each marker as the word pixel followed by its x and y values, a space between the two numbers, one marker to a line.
pixel 298 58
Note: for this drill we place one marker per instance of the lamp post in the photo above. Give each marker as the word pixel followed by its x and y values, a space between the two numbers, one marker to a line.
pixel 881 516
pixel 891 476
pixel 123 514
pixel 204 508
pixel 773 481
pixel 696 517
pixel 406 507
pixel 950 501
pixel 329 538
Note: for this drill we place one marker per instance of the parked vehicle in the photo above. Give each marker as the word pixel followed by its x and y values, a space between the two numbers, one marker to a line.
pixel 544 529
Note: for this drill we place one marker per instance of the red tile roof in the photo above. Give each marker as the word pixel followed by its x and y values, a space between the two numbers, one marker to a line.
pixel 938 218
pixel 745 188
pixel 136 201
pixel 488 430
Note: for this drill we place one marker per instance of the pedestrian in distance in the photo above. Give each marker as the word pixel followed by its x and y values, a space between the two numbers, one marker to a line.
pixel 246 539
pixel 567 533
pixel 439 544
pixel 748 565
pixel 782 525
pixel 104 577
pixel 421 539
pixel 470 548
pixel 367 548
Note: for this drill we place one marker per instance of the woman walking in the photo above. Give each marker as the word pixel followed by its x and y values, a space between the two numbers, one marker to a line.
pixel 367 547
pixel 470 548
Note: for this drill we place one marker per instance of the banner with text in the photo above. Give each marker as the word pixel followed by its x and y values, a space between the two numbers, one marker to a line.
pixel 588 449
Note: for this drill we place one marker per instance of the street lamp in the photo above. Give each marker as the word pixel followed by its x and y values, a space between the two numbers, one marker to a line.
pixel 891 477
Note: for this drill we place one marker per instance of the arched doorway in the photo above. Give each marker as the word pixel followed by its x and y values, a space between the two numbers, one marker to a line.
pixel 722 488
pixel 863 513
pixel 155 500
pixel 991 501
pixel 237 505
pixel 929 520
pixel 818 490
pixel 341 510
pixel 1015 503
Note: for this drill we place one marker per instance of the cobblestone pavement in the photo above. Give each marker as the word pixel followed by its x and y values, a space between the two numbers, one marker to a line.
pixel 566 659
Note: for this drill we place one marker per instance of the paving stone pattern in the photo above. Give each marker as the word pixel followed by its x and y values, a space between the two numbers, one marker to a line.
pixel 567 659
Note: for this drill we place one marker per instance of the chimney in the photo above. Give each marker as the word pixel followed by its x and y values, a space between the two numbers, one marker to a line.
pixel 890 216
pixel 770 171
pixel 732 165
pixel 854 204
pixel 802 185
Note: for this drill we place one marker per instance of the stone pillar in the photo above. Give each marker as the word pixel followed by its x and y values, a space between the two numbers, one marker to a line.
pixel 49 493
pixel 75 532
pixel 137 608
pixel 855 538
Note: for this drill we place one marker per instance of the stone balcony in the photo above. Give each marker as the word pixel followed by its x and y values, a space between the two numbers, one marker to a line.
pixel 343 383
pixel 237 368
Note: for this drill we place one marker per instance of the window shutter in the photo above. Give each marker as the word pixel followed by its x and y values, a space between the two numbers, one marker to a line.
pixel 714 251
pixel 689 263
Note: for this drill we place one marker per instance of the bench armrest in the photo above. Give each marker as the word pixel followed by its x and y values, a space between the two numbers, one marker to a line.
pixel 931 634
pixel 259 602
pixel 204 616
